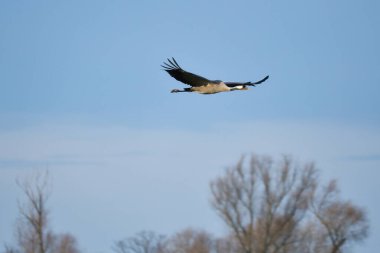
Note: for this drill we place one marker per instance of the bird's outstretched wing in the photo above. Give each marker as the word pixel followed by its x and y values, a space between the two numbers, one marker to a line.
pixel 234 84
pixel 183 76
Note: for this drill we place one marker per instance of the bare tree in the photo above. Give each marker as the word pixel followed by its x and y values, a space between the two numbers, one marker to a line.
pixel 280 207
pixel 33 233
pixel 341 221
pixel 66 243
pixel 226 244
pixel 262 203
pixel 142 242
pixel 191 241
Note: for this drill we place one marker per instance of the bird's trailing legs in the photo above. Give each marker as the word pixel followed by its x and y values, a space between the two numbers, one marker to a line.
pixel 184 90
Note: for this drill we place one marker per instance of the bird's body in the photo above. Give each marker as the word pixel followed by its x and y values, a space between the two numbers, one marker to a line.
pixel 210 88
pixel 203 85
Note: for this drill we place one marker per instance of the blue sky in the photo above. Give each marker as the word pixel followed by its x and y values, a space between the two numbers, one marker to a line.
pixel 83 94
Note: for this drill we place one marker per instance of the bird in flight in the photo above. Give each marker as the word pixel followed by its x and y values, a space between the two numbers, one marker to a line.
pixel 203 85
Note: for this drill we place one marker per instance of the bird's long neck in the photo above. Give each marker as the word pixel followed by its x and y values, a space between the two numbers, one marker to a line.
pixel 239 87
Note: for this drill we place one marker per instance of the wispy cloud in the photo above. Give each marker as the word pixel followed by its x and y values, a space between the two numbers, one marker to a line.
pixel 94 145
pixel 44 163
pixel 361 158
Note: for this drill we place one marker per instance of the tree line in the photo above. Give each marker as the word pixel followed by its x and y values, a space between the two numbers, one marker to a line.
pixel 268 206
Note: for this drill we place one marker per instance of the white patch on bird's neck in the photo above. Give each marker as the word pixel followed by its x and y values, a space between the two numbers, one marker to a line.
pixel 239 87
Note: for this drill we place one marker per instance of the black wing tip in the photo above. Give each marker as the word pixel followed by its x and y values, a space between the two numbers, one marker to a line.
pixel 171 64
pixel 176 63
pixel 165 68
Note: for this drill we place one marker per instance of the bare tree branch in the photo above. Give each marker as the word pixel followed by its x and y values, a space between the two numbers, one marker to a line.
pixel 269 207
pixel 142 242
pixel 34 235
